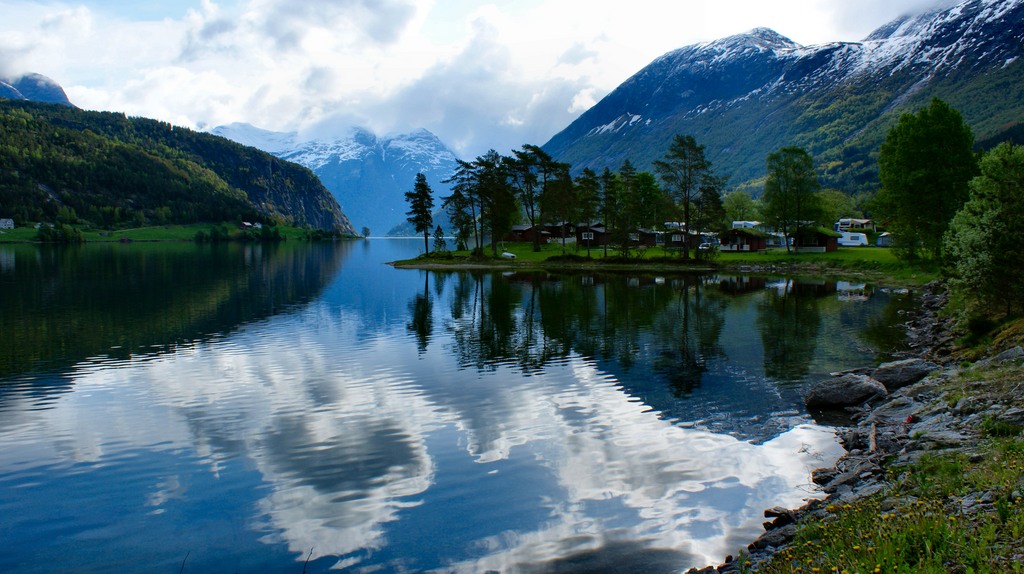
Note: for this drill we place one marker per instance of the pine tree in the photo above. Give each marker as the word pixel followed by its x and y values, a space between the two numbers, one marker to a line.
pixel 684 170
pixel 440 245
pixel 421 204
pixel 588 199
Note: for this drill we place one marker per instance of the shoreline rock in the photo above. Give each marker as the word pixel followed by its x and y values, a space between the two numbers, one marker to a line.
pixel 909 417
pixel 844 391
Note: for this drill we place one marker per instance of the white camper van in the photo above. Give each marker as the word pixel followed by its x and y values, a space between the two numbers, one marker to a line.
pixel 850 239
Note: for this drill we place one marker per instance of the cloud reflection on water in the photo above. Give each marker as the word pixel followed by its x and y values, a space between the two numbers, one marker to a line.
pixel 346 445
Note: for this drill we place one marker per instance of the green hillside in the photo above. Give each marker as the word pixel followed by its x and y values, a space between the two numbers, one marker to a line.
pixel 64 164
pixel 842 127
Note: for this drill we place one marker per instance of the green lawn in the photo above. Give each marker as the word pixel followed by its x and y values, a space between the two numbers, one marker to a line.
pixel 874 261
pixel 866 259
pixel 159 233
pixel 17 235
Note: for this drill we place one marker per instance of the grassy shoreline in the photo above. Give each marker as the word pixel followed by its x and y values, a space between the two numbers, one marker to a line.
pixel 957 507
pixel 870 263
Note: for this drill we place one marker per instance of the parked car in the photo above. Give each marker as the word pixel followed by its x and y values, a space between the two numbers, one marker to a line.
pixel 508 255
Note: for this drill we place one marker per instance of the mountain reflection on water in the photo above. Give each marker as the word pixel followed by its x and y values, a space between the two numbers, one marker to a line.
pixel 405 420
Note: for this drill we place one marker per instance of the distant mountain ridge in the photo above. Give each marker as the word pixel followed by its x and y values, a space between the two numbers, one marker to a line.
pixel 745 96
pixel 34 87
pixel 368 174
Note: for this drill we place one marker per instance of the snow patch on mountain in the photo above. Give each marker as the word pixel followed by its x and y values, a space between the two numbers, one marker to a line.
pixel 317 153
pixel 421 147
pixel 252 136
pixel 34 87
pixel 626 120
pixel 921 44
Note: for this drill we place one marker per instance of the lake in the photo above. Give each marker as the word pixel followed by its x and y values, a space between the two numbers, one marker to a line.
pixel 303 408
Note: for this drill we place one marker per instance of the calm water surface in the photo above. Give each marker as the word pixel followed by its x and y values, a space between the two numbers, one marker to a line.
pixel 251 408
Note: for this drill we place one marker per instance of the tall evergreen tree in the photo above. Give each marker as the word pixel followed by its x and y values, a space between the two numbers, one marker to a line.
pixel 650 204
pixel 538 182
pixel 497 197
pixel 461 205
pixel 789 191
pixel 523 170
pixel 440 245
pixel 683 171
pixel 924 166
pixel 559 200
pixel 588 198
pixel 483 197
pixel 421 204
pixel 611 202
pixel 626 214
pixel 708 209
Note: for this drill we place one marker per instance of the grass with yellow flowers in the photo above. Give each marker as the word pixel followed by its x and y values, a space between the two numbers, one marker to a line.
pixel 947 512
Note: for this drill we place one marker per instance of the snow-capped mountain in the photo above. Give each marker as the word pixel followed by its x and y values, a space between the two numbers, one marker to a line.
pixel 369 175
pixel 745 96
pixel 34 87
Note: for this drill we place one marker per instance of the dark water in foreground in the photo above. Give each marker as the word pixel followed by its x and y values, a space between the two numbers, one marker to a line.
pixel 246 408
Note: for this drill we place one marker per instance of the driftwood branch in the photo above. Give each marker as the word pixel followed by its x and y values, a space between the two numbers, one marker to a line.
pixel 308 556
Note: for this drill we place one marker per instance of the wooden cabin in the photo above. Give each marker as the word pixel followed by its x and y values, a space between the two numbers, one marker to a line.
pixel 743 239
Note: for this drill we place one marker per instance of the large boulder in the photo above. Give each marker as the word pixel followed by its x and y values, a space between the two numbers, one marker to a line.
pixel 1014 355
pixel 847 390
pixel 898 374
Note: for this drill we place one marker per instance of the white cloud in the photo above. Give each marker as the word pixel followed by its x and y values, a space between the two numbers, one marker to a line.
pixel 480 75
pixel 582 101
pixel 857 20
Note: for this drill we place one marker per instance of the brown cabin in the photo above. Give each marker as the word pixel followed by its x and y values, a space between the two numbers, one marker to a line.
pixel 559 230
pixel 677 239
pixel 591 235
pixel 526 234
pixel 743 239
pixel 817 240
pixel 644 237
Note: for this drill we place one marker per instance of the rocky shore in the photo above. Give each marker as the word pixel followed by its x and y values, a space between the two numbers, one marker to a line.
pixel 899 411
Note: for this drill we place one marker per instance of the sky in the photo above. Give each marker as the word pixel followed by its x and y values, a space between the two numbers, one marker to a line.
pixel 479 74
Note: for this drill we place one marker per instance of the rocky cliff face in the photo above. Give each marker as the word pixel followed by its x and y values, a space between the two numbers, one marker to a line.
pixel 745 96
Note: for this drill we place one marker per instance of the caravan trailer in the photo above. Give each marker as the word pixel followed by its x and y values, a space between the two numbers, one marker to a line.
pixel 850 239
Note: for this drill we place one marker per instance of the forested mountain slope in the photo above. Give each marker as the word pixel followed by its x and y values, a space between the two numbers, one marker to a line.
pixel 113 170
